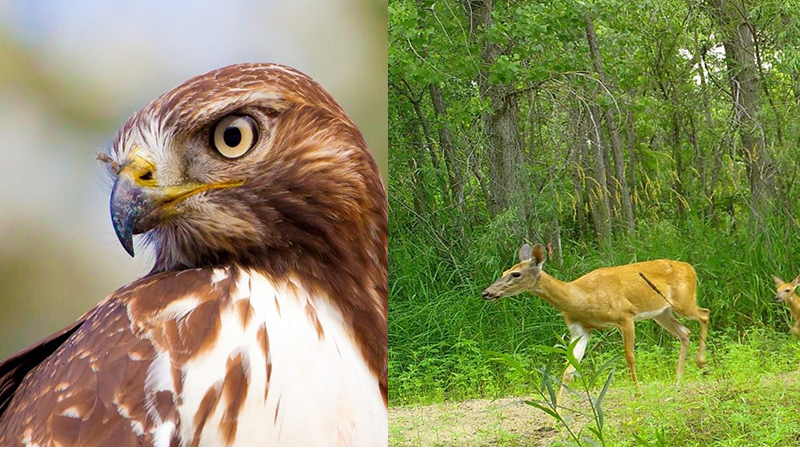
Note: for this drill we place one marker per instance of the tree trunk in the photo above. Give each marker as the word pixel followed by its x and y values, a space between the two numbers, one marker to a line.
pixel 700 160
pixel 454 171
pixel 677 156
pixel 427 141
pixel 426 131
pixel 631 137
pixel 619 181
pixel 598 185
pixel 709 187
pixel 578 160
pixel 500 122
pixel 475 167
pixel 611 182
pixel 419 190
pixel 740 57
pixel 763 82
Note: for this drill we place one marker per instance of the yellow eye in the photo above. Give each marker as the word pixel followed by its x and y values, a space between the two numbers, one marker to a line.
pixel 234 136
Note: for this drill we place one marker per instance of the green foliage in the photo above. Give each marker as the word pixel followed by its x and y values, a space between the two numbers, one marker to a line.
pixel 439 325
pixel 749 397
pixel 547 400
pixel 443 254
pixel 670 91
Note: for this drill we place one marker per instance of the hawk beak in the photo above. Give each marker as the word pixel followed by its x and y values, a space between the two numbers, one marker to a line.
pixel 133 198
pixel 138 204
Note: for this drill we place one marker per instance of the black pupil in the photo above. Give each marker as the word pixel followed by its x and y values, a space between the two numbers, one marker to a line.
pixel 515 274
pixel 232 136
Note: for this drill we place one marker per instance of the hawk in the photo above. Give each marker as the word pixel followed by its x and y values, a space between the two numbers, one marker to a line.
pixel 264 318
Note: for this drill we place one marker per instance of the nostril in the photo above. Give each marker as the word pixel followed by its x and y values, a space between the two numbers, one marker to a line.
pixel 485 294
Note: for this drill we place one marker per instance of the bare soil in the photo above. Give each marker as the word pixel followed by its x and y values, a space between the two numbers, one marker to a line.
pixel 512 422
pixel 505 421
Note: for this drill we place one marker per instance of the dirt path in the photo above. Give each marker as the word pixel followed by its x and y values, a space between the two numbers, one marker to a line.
pixel 511 422
pixel 506 421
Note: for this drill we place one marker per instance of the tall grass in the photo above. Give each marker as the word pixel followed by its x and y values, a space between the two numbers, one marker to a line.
pixel 440 328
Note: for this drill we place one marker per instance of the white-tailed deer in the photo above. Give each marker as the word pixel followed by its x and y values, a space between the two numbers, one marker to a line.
pixel 612 297
pixel 785 293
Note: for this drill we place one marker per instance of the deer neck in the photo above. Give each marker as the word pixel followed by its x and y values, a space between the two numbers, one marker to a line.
pixel 560 294
pixel 794 305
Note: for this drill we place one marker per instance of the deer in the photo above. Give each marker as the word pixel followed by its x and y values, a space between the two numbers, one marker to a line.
pixel 612 297
pixel 785 292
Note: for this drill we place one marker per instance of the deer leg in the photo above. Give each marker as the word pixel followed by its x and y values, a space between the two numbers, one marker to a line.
pixel 582 336
pixel 702 317
pixel 628 339
pixel 796 329
pixel 668 321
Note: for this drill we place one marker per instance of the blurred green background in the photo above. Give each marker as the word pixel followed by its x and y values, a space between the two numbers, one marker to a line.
pixel 72 72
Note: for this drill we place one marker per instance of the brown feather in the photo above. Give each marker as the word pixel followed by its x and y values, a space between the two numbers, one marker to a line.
pixel 312 208
pixel 48 416
pixel 206 408
pixel 234 389
pixel 15 368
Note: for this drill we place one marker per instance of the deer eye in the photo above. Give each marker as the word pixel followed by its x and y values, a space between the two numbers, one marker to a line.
pixel 516 274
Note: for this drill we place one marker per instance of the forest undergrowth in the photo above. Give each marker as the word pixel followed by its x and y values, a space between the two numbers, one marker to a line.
pixel 749 395
pixel 441 330
pixel 612 132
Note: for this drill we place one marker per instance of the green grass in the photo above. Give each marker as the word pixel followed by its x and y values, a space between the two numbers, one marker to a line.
pixel 748 395
pixel 442 334
pixel 440 328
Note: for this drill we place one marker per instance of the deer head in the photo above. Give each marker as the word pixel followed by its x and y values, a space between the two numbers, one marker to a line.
pixel 521 277
pixel 784 290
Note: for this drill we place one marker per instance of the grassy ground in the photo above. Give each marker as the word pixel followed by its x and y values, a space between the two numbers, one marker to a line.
pixel 748 395
pixel 440 328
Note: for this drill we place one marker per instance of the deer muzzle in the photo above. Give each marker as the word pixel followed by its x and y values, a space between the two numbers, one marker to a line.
pixel 488 295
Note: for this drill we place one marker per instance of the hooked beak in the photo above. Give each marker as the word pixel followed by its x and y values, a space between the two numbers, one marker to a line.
pixel 129 205
pixel 138 204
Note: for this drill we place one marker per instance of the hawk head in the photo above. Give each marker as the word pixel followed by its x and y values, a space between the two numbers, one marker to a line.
pixel 256 165
pixel 249 172
pixel 245 164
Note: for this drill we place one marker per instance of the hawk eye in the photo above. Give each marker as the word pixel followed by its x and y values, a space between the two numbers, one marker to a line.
pixel 234 135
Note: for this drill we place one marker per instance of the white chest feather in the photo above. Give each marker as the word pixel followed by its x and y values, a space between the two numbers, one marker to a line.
pixel 284 370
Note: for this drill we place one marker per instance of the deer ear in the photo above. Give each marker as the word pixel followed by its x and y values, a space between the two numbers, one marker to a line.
pixel 525 253
pixel 796 281
pixel 777 280
pixel 539 255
